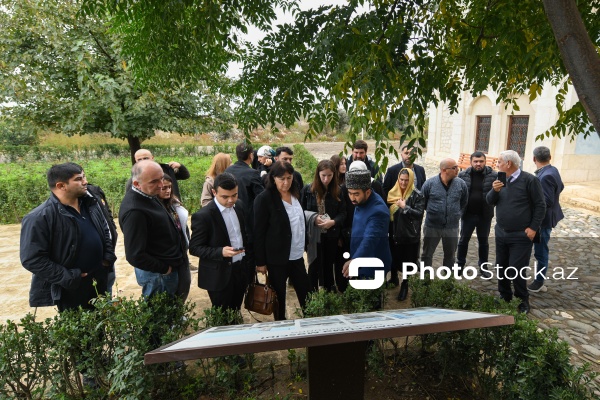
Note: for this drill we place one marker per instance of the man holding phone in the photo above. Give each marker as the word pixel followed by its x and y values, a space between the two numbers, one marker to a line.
pixel 520 209
pixel 219 239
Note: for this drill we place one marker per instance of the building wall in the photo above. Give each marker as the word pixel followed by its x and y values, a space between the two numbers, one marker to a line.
pixel 452 134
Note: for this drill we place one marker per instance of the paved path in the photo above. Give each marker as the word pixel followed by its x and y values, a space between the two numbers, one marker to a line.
pixel 570 306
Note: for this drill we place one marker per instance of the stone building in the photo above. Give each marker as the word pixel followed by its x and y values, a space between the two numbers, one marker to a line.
pixel 482 123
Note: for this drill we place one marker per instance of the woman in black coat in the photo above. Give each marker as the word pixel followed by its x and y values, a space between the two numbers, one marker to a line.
pixel 406 209
pixel 324 197
pixel 279 235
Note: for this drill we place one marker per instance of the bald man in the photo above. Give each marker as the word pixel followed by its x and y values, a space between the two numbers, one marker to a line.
pixel 153 244
pixel 446 198
pixel 174 169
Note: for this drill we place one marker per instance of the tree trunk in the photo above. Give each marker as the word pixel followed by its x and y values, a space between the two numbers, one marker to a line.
pixel 134 145
pixel 578 54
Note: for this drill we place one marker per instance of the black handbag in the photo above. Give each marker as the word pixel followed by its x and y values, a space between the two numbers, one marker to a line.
pixel 261 297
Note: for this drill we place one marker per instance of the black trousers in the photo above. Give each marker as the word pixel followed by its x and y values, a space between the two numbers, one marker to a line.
pixel 513 251
pixel 231 296
pixel 342 246
pixel 71 299
pixel 278 275
pixel 320 271
pixel 403 252
pixel 470 223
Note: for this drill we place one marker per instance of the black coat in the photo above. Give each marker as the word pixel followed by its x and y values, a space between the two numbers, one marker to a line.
pixel 391 176
pixel 336 209
pixel 406 226
pixel 552 186
pixel 209 236
pixel 49 239
pixel 152 240
pixel 272 231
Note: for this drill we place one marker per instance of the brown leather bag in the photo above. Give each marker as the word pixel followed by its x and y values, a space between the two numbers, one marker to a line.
pixel 261 297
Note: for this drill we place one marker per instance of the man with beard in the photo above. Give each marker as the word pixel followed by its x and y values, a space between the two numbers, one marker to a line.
pixel 371 223
pixel 478 214
pixel 359 153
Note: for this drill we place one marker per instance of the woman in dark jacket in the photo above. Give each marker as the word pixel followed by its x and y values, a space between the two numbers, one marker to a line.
pixel 279 235
pixel 324 197
pixel 179 216
pixel 406 211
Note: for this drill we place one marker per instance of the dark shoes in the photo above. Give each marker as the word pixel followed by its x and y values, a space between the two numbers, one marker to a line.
pixel 524 307
pixel 403 291
pixel 537 286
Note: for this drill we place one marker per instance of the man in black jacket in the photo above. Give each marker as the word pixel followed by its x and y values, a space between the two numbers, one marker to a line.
pixel 153 243
pixel 478 214
pixel 177 171
pixel 359 153
pixel 66 244
pixel 249 182
pixel 219 239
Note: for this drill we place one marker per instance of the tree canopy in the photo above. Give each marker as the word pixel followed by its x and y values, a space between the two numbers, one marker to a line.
pixel 383 61
pixel 66 72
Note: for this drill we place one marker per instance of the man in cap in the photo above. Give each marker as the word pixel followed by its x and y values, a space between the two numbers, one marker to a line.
pixel 369 236
pixel 265 159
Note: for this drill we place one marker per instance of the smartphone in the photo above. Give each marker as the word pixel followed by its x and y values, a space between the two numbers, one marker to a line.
pixel 239 248
pixel 502 177
pixel 325 217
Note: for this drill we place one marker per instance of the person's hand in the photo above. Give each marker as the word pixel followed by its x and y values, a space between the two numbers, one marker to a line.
pixel 174 165
pixel 268 162
pixel 346 269
pixel 401 203
pixel 84 274
pixel 228 251
pixel 530 233
pixel 327 224
pixel 497 185
pixel 262 269
pixel 168 271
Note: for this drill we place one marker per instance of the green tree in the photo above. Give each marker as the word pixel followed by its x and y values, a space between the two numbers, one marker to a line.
pixel 65 72
pixel 384 61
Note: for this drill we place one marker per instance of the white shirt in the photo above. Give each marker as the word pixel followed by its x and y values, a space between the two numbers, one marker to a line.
pixel 233 229
pixel 296 216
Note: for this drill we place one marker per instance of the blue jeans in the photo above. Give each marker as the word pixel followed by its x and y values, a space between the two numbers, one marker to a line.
pixel 153 282
pixel 469 223
pixel 540 252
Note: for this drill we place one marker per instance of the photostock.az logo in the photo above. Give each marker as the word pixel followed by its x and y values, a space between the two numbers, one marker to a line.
pixel 366 262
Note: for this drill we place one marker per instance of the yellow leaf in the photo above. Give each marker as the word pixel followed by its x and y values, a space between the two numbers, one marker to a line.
pixel 483 43
pixel 124 65
pixel 300 391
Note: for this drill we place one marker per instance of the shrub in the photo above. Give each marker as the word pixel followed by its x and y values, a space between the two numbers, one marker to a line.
pixel 518 361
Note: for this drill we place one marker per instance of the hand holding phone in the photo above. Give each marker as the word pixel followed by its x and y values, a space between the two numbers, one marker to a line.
pixel 239 248
pixel 502 177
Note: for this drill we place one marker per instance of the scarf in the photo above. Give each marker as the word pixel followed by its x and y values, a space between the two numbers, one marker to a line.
pixel 396 192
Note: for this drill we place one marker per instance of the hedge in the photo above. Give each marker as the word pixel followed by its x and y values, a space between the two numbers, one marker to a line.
pixel 23 185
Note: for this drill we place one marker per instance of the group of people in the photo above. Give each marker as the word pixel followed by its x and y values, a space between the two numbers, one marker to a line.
pixel 263 220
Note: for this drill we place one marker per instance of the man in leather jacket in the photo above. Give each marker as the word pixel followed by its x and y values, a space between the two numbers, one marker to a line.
pixel 66 244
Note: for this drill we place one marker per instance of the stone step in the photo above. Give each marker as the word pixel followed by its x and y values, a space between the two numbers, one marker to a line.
pixel 587 190
pixel 581 202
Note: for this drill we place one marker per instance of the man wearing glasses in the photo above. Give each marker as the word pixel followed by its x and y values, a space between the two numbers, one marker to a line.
pixel 446 198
